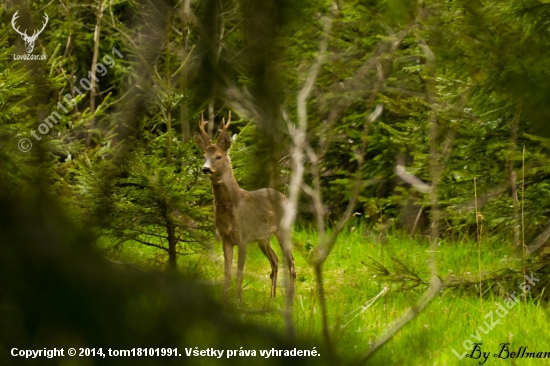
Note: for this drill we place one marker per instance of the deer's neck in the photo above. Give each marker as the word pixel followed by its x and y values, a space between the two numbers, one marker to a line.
pixel 227 194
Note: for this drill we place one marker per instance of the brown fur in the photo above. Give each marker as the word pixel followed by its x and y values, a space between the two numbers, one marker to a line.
pixel 243 217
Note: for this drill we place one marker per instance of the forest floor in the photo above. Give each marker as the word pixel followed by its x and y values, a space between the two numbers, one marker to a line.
pixel 360 309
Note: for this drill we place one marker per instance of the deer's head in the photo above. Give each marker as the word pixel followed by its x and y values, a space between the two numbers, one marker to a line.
pixel 216 160
pixel 29 40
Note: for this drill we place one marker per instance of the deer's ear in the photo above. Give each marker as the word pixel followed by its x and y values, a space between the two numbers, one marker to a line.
pixel 225 142
pixel 200 141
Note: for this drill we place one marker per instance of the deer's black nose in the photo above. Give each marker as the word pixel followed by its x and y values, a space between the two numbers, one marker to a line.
pixel 206 170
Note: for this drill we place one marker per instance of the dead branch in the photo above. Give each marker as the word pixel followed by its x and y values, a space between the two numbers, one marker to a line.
pixel 512 174
pixel 356 85
pixel 436 168
pixel 299 138
pixel 434 289
pixel 495 192
pixel 93 82
pixel 377 267
pixel 401 274
pixel 539 240
pixel 420 186
pixel 326 248
pixel 365 307
pixel 406 272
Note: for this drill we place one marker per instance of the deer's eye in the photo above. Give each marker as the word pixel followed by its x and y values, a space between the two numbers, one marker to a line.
pixel 218 157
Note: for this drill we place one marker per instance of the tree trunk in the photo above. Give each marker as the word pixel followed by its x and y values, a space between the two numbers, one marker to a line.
pixel 92 70
pixel 172 241
pixel 185 15
pixel 512 174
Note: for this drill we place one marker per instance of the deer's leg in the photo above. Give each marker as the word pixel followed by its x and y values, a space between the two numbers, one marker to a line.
pixel 240 269
pixel 291 270
pixel 228 262
pixel 287 253
pixel 273 260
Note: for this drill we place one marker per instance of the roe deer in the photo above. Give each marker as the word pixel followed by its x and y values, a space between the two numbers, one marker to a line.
pixel 242 217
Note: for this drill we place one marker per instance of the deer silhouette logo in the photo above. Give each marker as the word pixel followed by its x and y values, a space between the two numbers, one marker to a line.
pixel 29 40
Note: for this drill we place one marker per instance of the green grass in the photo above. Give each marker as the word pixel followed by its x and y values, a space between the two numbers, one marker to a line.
pixel 449 321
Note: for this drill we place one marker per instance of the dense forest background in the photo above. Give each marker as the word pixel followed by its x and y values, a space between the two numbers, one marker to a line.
pixel 420 119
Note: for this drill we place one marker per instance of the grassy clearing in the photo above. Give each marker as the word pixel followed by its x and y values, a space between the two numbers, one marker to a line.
pixel 450 321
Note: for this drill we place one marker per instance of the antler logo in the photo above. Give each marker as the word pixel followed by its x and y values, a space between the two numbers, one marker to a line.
pixel 29 40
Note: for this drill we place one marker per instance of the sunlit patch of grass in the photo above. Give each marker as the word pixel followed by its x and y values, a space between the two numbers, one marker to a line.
pixel 351 285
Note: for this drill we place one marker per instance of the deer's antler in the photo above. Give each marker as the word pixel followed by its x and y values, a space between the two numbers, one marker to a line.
pixel 203 132
pixel 224 129
pixel 35 34
pixel 13 19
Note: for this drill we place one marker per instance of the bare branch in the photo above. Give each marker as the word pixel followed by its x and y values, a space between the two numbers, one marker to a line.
pixel 401 322
pixel 435 172
pixel 150 244
pixel 495 192
pixel 539 240
pixel 299 135
pixel 420 186
pixel 356 84
pixel 326 248
pixel 297 151
pixel 365 307
pixel 93 82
